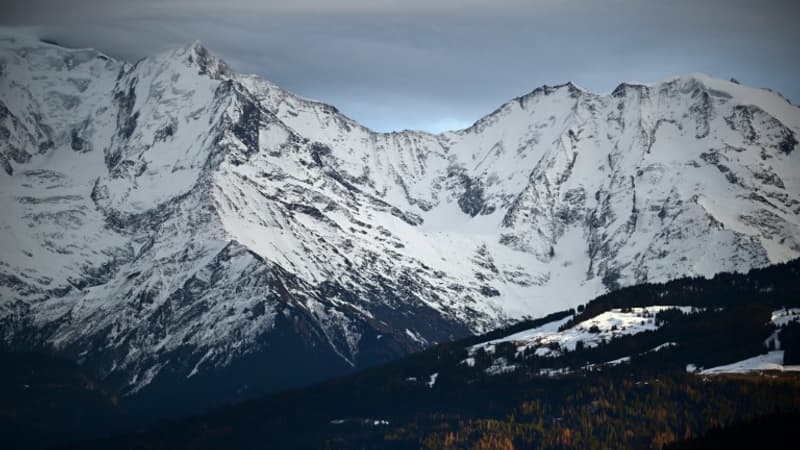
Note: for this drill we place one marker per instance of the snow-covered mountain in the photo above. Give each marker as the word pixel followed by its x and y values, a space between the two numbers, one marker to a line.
pixel 172 220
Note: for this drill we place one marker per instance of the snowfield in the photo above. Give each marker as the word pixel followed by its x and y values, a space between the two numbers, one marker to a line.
pixel 547 340
pixel 785 316
pixel 771 361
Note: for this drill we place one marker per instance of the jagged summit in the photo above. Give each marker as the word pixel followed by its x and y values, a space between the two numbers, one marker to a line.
pixel 206 61
pixel 173 221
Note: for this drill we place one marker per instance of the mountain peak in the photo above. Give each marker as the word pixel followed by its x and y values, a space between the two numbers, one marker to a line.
pixel 207 62
pixel 547 89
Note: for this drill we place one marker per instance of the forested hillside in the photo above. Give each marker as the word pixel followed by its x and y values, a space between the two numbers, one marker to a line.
pixel 628 391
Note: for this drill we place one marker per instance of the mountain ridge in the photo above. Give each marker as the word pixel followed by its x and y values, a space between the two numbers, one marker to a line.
pixel 201 213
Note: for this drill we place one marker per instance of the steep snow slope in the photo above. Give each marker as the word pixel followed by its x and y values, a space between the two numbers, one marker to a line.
pixel 167 219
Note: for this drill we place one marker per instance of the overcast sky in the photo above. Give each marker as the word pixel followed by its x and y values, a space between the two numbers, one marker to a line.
pixel 442 64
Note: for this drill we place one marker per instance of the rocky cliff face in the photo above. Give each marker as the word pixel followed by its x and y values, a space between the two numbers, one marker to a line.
pixel 173 221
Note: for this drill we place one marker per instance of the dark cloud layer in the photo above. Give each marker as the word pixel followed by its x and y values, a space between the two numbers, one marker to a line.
pixel 442 64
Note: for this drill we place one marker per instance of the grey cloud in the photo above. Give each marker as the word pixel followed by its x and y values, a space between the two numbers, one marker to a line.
pixel 440 64
pixel 31 12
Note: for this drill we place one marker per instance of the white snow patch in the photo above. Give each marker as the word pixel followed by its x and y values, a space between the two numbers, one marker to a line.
pixel 771 361
pixel 369 422
pixel 546 340
pixel 662 346
pixel 432 379
pixel 547 372
pixel 500 365
pixel 614 362
pixel 416 337
pixel 784 316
